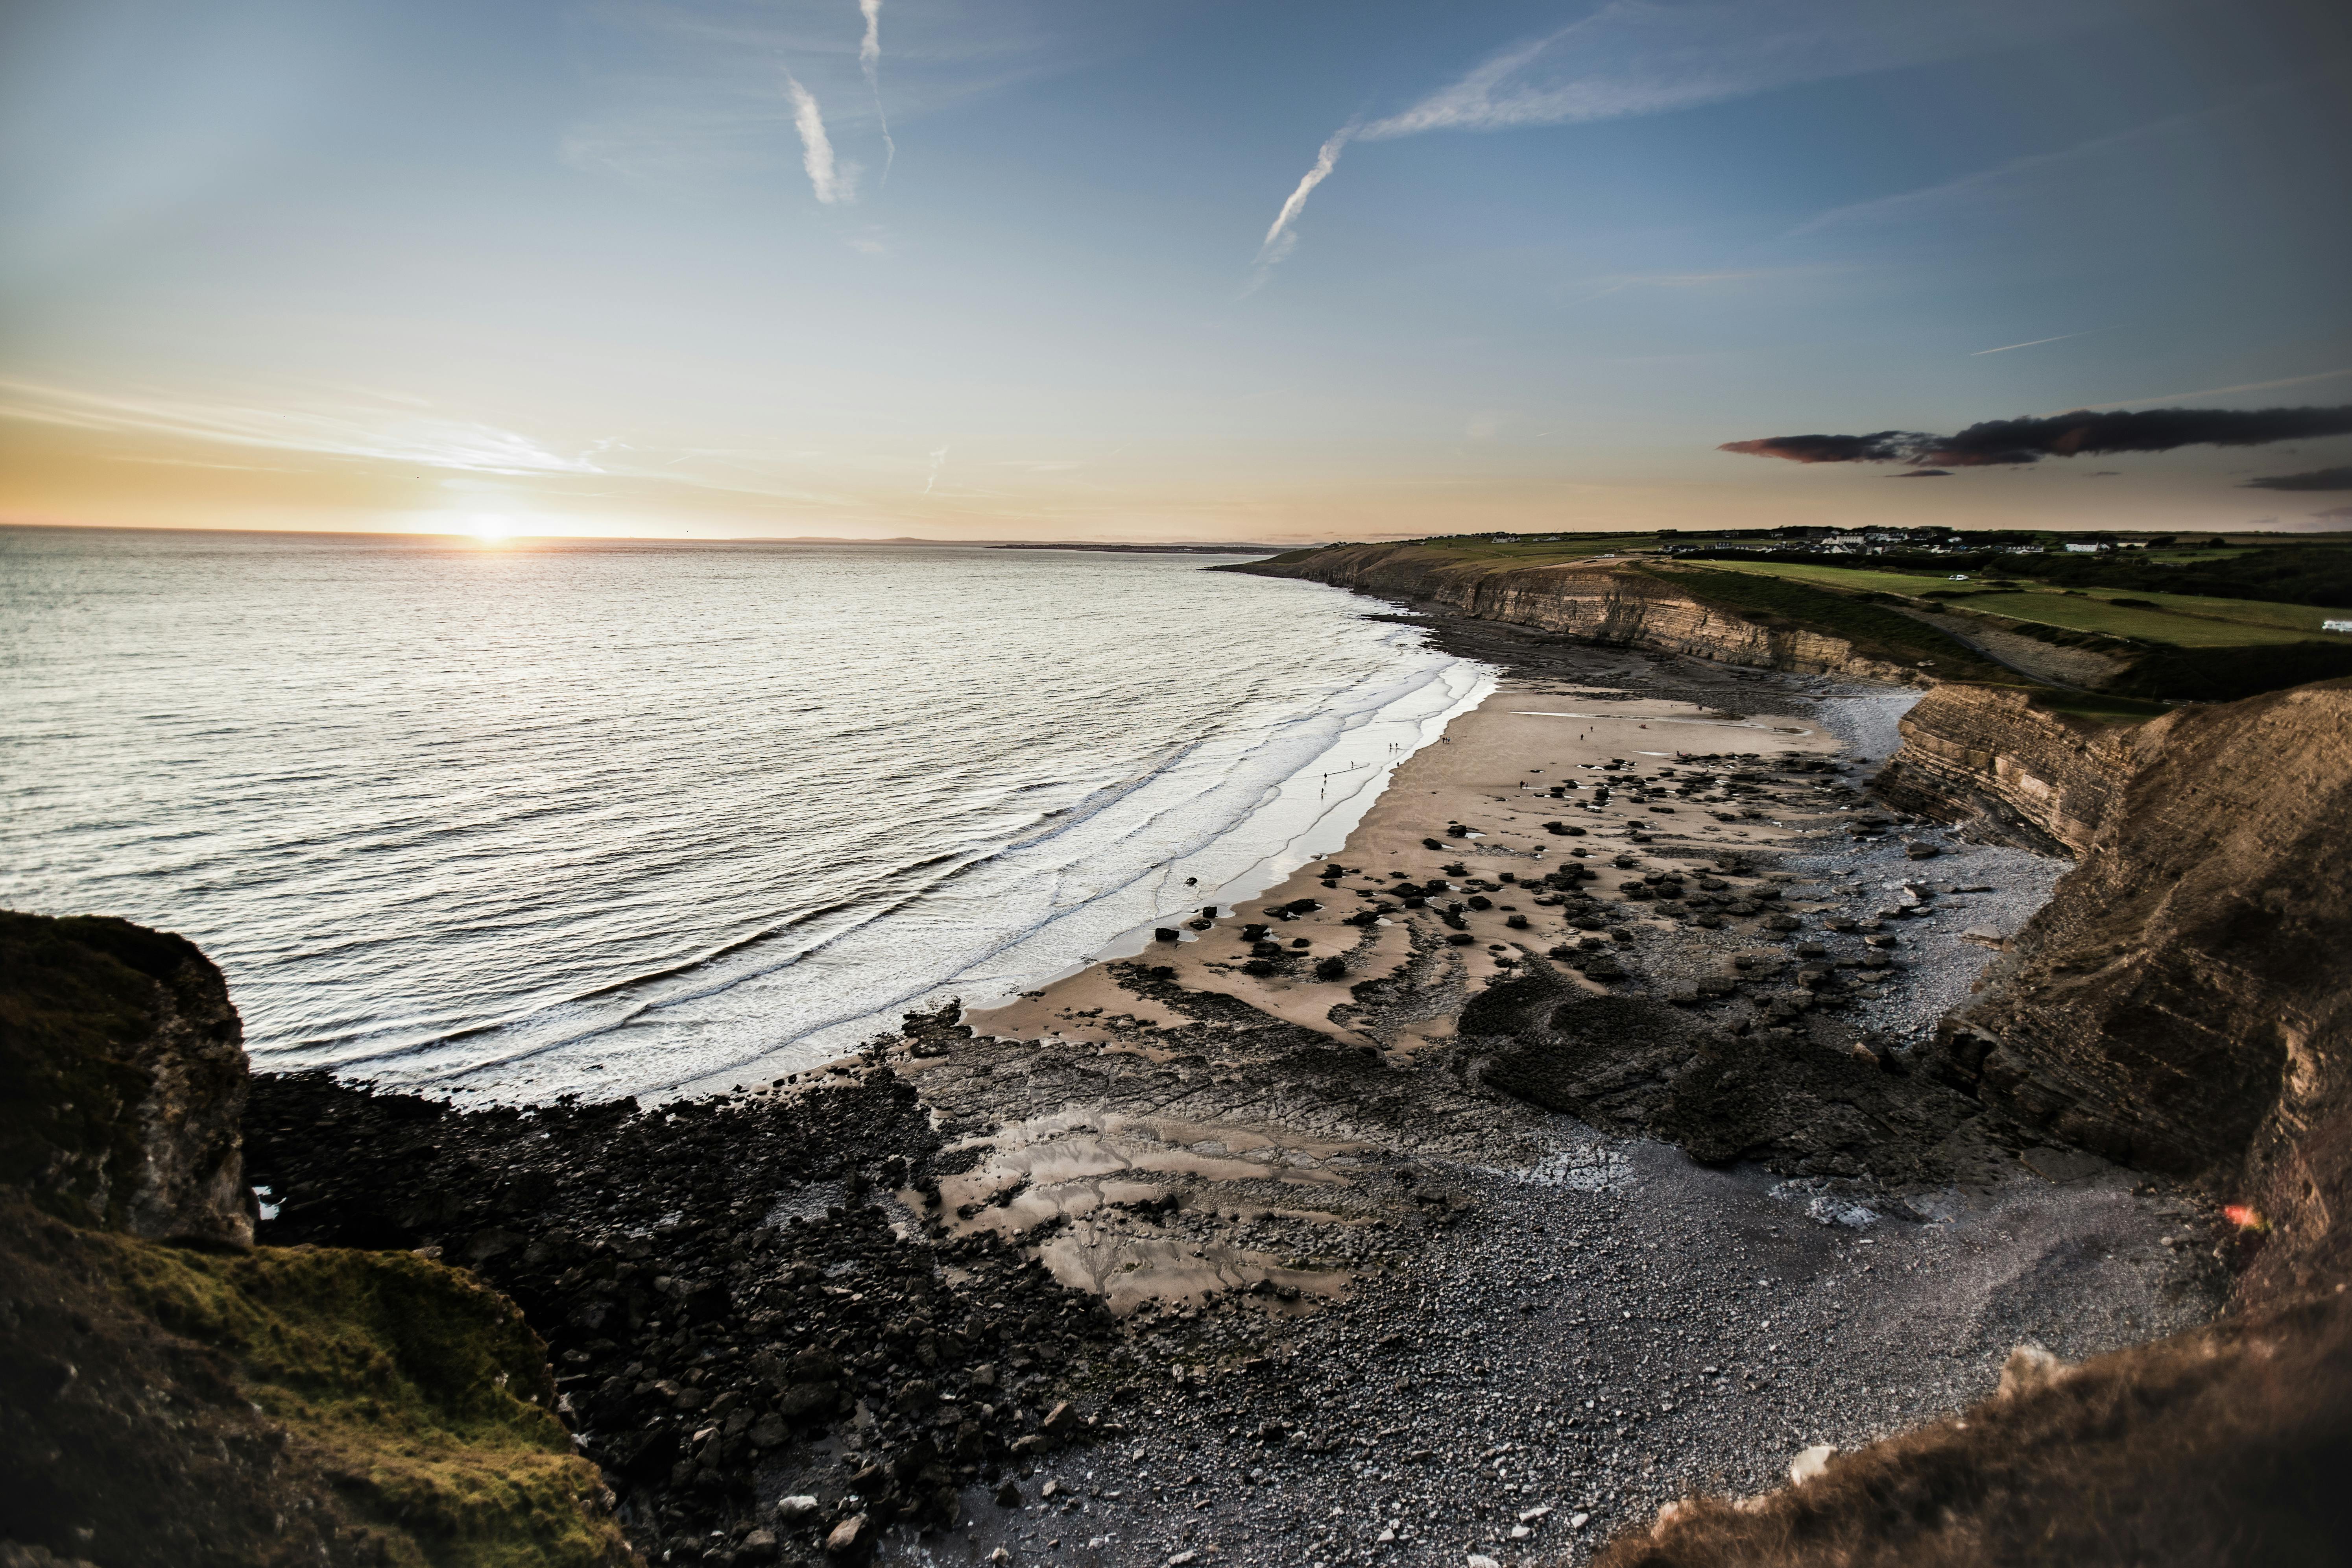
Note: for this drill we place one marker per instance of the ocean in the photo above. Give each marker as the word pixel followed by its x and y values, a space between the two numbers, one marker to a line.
pixel 634 818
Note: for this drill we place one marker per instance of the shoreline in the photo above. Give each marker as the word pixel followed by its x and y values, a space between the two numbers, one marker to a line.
pixel 1425 1277
pixel 1471 776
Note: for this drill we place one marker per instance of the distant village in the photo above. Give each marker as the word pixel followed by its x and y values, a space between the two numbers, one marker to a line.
pixel 1905 541
pixel 1802 541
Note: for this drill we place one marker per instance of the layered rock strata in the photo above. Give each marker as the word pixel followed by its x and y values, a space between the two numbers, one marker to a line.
pixel 2007 769
pixel 2183 1002
pixel 1598 601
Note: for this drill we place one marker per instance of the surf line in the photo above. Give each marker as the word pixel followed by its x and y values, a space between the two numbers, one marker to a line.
pixel 1662 719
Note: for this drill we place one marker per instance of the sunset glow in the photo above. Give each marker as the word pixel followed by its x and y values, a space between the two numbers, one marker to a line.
pixel 1060 271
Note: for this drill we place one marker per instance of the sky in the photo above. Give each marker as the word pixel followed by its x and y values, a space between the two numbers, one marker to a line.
pixel 1046 269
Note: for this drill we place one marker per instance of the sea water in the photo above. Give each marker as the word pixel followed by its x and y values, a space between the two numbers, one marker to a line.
pixel 634 818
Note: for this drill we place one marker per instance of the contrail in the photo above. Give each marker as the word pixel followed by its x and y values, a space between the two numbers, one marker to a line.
pixel 2032 343
pixel 869 56
pixel 816 147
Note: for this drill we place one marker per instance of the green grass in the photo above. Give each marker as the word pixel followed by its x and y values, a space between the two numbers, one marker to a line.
pixel 1875 631
pixel 2106 709
pixel 1909 583
pixel 2180 620
pixel 2204 627
pixel 422 1392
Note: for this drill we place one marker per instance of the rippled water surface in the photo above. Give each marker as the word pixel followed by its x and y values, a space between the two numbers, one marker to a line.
pixel 628 818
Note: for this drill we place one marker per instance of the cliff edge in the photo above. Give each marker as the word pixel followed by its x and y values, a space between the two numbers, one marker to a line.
pixel 2181 1004
pixel 2007 769
pixel 1730 618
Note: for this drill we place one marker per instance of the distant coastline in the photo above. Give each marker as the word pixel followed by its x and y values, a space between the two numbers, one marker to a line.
pixel 1157 548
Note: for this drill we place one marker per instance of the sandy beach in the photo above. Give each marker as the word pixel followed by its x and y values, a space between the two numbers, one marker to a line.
pixel 1627 775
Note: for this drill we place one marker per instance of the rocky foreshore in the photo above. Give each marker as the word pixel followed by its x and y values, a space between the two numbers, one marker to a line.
pixel 1166 1261
pixel 1577 1141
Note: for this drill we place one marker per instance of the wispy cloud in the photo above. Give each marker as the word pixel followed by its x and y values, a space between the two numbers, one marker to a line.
pixel 869 61
pixel 1640 57
pixel 359 431
pixel 688 87
pixel 2003 184
pixel 816 147
pixel 939 461
pixel 1646 56
pixel 2220 391
pixel 1282 238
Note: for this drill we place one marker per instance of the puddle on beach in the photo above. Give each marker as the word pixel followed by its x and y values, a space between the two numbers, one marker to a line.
pixel 1097 1193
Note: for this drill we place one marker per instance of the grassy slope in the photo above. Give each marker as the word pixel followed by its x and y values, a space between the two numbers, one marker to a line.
pixel 185 1404
pixel 2226 649
pixel 396 1409
pixel 1875 631
pixel 423 1392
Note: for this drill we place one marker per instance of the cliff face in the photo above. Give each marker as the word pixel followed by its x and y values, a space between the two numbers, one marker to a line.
pixel 122 1076
pixel 1600 601
pixel 2010 772
pixel 169 1393
pixel 2182 1002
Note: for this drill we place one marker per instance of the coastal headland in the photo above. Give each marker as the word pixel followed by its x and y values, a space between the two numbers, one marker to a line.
pixel 1635 1107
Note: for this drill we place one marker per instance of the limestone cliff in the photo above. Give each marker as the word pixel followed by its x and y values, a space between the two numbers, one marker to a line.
pixel 2009 769
pixel 2184 1002
pixel 1603 601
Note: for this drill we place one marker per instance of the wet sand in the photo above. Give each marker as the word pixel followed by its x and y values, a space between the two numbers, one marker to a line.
pixel 1489 775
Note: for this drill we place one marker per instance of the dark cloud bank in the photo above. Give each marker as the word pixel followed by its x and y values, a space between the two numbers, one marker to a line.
pixel 2316 479
pixel 2010 441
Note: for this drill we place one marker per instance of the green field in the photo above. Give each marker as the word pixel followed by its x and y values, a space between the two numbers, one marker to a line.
pixel 2180 620
pixel 1522 554
pixel 2200 627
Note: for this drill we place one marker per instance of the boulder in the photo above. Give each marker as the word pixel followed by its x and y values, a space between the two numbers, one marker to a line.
pixel 123 1080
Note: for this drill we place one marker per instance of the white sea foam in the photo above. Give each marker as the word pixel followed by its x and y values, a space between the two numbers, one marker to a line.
pixel 620 820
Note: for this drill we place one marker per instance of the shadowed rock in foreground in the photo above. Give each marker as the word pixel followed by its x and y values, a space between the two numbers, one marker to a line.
pixel 2182 1003
pixel 2228 1445
pixel 170 1395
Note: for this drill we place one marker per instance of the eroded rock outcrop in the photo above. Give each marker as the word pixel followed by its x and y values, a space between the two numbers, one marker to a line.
pixel 122 1076
pixel 2183 1002
pixel 2007 769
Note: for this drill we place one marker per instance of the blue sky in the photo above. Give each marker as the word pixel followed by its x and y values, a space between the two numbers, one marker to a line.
pixel 636 268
